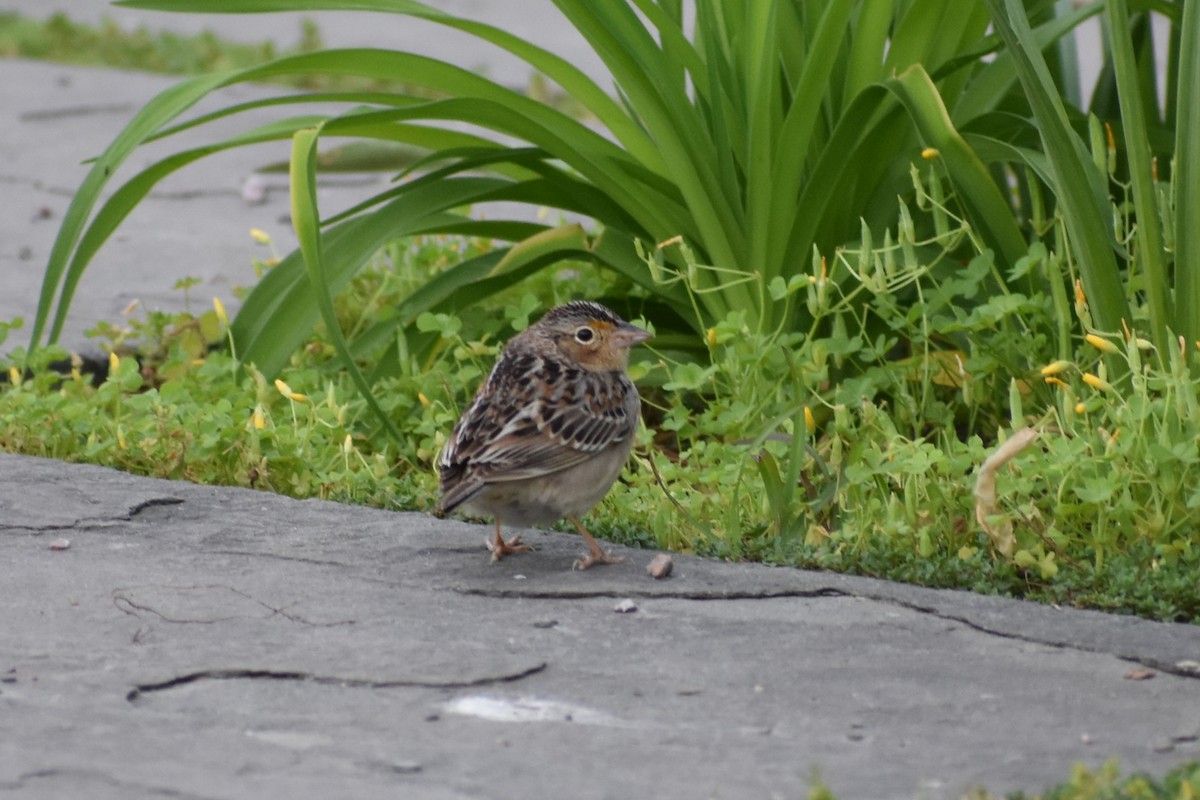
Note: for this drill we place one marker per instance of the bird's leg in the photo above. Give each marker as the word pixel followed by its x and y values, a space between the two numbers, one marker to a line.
pixel 500 548
pixel 595 554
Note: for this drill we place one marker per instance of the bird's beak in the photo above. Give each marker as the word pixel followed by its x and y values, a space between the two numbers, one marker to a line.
pixel 630 335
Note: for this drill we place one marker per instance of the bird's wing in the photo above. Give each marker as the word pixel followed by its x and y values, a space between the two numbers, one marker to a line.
pixel 534 416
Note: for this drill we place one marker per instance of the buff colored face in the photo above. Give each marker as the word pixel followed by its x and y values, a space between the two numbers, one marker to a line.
pixel 599 345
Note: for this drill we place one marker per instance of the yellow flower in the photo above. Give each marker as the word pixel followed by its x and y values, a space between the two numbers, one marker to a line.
pixel 287 392
pixel 14 376
pixel 1096 382
pixel 114 363
pixel 711 337
pixel 424 400
pixel 219 307
pixel 1055 367
pixel 810 424
pixel 929 153
pixel 260 236
pixel 1053 381
pixel 1101 344
pixel 257 419
pixel 1080 409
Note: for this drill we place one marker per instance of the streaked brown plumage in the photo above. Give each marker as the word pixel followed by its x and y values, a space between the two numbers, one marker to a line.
pixel 549 431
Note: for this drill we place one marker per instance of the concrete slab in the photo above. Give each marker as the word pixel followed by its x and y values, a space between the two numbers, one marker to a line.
pixel 221 643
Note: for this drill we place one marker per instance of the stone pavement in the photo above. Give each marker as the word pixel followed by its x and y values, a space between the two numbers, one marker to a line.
pixel 201 642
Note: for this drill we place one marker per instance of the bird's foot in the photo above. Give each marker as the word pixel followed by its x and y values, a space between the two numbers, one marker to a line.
pixel 597 556
pixel 500 547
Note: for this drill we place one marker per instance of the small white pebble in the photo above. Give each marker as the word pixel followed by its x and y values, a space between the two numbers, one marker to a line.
pixel 60 544
pixel 626 606
pixel 519 577
pixel 254 190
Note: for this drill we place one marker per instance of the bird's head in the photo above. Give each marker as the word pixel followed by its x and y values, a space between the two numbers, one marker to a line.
pixel 591 335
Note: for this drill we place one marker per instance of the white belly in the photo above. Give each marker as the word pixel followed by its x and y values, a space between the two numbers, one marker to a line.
pixel 548 498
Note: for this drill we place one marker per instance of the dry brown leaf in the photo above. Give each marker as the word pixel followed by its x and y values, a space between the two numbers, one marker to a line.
pixel 1001 534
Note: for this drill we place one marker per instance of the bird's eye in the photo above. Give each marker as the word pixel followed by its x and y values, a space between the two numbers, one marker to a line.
pixel 584 335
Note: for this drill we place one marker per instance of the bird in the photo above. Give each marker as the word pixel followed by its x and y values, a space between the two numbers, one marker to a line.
pixel 548 432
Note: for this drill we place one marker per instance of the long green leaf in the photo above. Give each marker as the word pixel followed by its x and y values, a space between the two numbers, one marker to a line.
pixel 280 310
pixel 306 221
pixel 828 176
pixel 992 80
pixel 166 106
pixel 573 80
pixel 793 151
pixel 986 207
pixel 565 137
pixel 1080 189
pixel 1185 181
pixel 117 207
pixel 643 74
pixel 1151 254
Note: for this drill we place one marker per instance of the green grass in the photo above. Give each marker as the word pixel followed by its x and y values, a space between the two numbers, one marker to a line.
pixel 62 40
pixel 1104 783
pixel 904 403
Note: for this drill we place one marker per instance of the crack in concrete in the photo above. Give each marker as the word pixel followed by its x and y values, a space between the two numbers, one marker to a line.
pixel 300 676
pixel 77 525
pixel 153 502
pixel 111 780
pixel 125 603
pixel 55 114
pixel 94 523
pixel 38 185
pixel 586 594
pixel 298 559
pixel 1179 669
pixel 178 194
